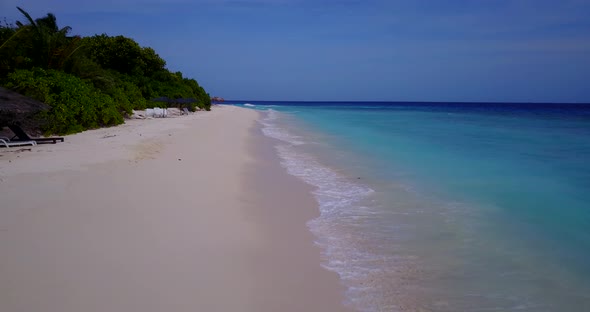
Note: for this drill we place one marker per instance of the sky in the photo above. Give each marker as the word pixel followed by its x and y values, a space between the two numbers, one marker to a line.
pixel 353 50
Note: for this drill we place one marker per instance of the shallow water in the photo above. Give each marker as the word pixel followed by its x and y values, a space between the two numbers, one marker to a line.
pixel 446 207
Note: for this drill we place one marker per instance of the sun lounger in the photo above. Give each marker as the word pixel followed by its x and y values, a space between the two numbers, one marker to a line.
pixel 22 136
pixel 185 111
pixel 7 143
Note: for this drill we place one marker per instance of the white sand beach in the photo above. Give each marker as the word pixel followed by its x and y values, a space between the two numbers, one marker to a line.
pixel 192 213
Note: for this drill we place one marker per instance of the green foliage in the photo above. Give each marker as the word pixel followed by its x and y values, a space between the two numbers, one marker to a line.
pixel 142 67
pixel 89 82
pixel 151 62
pixel 200 94
pixel 117 53
pixel 75 104
pixel 125 93
pixel 123 55
pixel 12 54
pixel 44 43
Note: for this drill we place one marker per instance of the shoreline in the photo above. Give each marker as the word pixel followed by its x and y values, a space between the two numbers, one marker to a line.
pixel 178 214
pixel 296 245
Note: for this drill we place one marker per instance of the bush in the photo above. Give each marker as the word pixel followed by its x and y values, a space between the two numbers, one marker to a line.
pixel 125 93
pixel 75 104
pixel 89 82
pixel 132 93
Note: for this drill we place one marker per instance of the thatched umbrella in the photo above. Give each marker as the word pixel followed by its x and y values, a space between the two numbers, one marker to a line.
pixel 17 107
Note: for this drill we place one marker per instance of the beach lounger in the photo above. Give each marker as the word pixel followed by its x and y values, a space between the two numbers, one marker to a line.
pixel 22 136
pixel 185 111
pixel 7 143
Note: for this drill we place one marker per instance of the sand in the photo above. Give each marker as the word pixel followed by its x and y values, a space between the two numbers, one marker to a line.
pixel 192 213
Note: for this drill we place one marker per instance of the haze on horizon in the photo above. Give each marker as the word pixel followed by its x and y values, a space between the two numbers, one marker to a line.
pixel 353 50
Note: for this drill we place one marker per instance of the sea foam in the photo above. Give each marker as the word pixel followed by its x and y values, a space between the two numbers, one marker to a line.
pixel 339 200
pixel 460 207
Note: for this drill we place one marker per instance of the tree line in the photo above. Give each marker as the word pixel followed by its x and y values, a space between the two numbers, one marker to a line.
pixel 89 82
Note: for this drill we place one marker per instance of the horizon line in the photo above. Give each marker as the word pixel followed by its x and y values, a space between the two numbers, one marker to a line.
pixel 416 102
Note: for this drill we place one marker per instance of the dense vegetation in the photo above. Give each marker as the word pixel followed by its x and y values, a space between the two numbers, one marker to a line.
pixel 89 82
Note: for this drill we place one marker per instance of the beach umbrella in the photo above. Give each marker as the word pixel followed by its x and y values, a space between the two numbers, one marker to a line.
pixel 179 101
pixel 186 100
pixel 163 99
pixel 15 107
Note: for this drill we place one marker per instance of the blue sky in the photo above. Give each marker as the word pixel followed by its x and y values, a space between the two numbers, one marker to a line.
pixel 397 50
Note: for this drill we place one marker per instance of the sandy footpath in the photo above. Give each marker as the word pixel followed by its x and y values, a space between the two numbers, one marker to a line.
pixel 178 214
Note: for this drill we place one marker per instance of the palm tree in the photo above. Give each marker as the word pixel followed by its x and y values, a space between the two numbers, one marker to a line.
pixel 47 45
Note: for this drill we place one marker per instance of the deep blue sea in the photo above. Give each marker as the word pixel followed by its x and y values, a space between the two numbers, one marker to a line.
pixel 446 206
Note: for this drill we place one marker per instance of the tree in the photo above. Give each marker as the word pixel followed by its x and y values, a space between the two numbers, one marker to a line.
pixel 89 82
pixel 151 62
pixel 9 49
pixel 44 43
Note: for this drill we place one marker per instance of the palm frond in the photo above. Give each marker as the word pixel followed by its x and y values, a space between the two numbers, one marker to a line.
pixel 29 18
pixel 49 22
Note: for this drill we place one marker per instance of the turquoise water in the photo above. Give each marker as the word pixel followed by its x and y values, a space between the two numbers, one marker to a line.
pixel 446 207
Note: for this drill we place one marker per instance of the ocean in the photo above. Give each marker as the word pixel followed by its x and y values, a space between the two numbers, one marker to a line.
pixel 445 206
